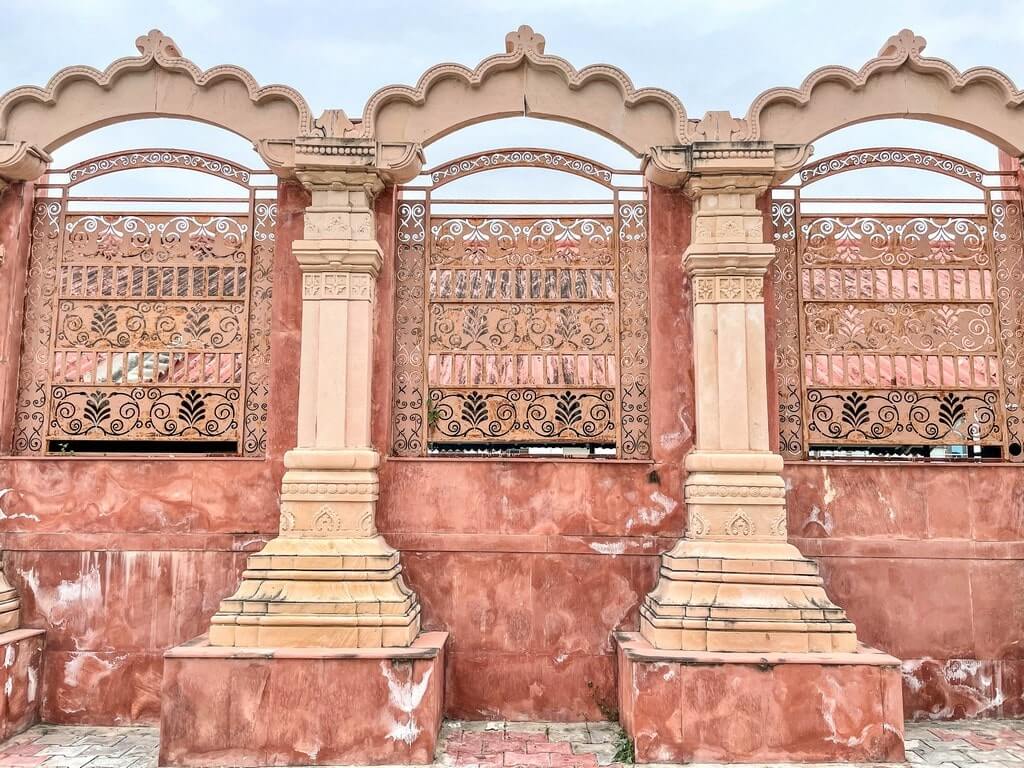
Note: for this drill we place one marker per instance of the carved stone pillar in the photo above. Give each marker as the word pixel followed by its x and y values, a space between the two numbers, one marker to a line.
pixel 329 579
pixel 734 583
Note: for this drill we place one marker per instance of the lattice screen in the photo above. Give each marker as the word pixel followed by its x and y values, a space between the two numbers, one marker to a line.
pixel 900 330
pixel 147 330
pixel 522 330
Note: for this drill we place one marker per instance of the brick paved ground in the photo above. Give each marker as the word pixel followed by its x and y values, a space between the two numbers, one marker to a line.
pixel 973 744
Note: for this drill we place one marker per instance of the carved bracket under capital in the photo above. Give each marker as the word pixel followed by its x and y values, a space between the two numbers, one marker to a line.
pixel 326 159
pixel 721 164
pixel 20 161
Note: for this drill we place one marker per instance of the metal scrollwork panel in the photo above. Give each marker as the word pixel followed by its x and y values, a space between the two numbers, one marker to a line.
pixel 521 330
pixel 522 416
pixel 935 328
pixel 40 305
pixel 906 305
pixel 408 420
pixel 783 274
pixel 145 413
pixel 261 294
pixel 895 241
pixel 150 325
pixel 634 332
pixel 904 417
pixel 1008 237
pixel 518 242
pixel 526 327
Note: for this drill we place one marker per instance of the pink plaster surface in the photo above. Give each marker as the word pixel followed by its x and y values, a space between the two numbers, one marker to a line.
pixel 944 544
pixel 744 708
pixel 251 707
pixel 21 658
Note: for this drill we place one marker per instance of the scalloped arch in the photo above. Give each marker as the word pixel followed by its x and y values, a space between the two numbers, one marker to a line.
pixel 524 81
pixel 158 83
pixel 899 82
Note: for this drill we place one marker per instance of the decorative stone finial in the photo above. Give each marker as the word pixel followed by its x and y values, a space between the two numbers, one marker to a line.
pixel 524 39
pixel 902 45
pixel 156 43
pixel 333 123
pixel 718 126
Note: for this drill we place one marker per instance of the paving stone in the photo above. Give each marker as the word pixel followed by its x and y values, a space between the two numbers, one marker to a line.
pixel 498 744
pixel 605 753
pixel 541 728
pixel 603 732
pixel 568 732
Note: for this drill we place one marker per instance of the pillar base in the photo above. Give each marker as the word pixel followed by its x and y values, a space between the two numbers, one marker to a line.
pixel 692 706
pixel 20 679
pixel 10 606
pixel 302 706
pixel 746 597
pixel 328 593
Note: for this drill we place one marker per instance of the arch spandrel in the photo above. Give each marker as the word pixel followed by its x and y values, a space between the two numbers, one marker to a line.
pixel 898 83
pixel 524 81
pixel 158 83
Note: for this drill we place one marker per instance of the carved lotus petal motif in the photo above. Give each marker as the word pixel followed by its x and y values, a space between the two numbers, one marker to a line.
pixel 740 524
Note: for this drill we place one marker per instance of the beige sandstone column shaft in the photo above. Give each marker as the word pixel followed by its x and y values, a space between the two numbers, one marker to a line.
pixel 734 583
pixel 329 579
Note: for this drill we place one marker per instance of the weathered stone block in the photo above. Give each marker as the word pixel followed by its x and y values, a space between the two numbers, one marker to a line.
pixel 230 706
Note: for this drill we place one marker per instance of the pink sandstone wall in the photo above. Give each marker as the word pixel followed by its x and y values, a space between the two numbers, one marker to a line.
pixel 528 564
pixel 928 561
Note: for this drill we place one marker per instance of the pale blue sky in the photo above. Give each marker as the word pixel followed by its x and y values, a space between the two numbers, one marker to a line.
pixel 712 55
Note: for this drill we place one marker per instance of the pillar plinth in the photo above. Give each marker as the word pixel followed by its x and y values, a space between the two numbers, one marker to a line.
pixel 734 583
pixel 329 579
pixel 10 605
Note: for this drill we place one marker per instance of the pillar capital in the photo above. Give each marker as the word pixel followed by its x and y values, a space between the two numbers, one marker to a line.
pixel 728 166
pixel 338 236
pixel 329 159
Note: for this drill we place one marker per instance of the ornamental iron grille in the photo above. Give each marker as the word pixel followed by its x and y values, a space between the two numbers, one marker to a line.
pixel 147 319
pixel 898 321
pixel 522 332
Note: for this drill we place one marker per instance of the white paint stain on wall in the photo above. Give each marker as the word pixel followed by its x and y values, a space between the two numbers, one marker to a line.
pixel 663 507
pixel 73 667
pixel 612 549
pixel 405 696
pixel 5 516
pixel 33 683
pixel 82 595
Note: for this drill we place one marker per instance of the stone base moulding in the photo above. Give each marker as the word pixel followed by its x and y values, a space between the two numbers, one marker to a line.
pixel 712 707
pixel 224 706
pixel 20 677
